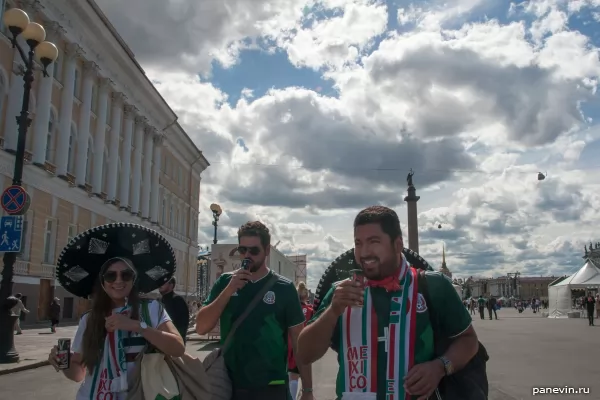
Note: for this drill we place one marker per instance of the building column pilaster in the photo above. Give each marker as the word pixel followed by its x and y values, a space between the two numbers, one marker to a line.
pixel 155 191
pixel 126 156
pixel 100 136
pixel 113 151
pixel 147 172
pixel 15 101
pixel 137 165
pixel 90 71
pixel 44 102
pixel 66 109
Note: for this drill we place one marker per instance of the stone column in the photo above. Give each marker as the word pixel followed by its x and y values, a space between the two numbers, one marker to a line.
pixel 100 135
pixel 90 71
pixel 137 165
pixel 147 178
pixel 66 109
pixel 44 102
pixel 15 101
pixel 113 150
pixel 155 190
pixel 413 224
pixel 126 156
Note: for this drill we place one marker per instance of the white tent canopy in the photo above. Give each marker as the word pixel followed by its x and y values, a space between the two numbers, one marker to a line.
pixel 560 301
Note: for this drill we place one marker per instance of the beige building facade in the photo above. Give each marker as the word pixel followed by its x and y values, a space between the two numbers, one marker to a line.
pixel 103 146
pixel 525 287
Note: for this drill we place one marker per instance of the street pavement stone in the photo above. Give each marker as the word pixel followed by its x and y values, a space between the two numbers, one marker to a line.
pixel 526 351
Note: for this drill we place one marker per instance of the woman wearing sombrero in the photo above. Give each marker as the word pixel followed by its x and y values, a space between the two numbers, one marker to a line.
pixel 112 264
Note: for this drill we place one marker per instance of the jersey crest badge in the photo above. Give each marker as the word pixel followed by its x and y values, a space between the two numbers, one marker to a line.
pixel 421 304
pixel 269 297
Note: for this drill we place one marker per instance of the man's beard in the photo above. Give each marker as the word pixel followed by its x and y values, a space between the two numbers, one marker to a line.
pixel 255 265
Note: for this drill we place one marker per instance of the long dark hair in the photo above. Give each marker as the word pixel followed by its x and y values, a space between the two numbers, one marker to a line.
pixel 95 330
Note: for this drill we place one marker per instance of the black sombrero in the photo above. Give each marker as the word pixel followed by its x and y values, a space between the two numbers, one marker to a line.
pixel 79 263
pixel 340 269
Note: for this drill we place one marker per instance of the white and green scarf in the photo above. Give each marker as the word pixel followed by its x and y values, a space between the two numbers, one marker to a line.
pixel 110 376
pixel 360 340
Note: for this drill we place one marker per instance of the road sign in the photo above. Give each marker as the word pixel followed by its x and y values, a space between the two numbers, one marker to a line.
pixel 15 200
pixel 11 233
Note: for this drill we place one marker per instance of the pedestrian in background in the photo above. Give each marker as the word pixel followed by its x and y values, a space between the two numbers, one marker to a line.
pixel 16 311
pixel 54 314
pixel 590 304
pixel 176 307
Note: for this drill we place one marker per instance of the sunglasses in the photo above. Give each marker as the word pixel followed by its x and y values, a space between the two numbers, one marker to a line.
pixel 127 275
pixel 252 250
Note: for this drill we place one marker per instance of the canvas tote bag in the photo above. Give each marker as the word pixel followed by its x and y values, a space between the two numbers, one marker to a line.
pixel 221 387
pixel 161 377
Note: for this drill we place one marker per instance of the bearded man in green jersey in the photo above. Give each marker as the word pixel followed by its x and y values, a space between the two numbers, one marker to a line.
pixel 380 326
pixel 257 358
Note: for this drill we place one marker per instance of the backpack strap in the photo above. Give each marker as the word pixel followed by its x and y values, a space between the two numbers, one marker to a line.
pixel 424 290
pixel 258 297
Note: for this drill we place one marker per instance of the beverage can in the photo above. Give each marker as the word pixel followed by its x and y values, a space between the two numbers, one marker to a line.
pixel 358 275
pixel 245 263
pixel 64 353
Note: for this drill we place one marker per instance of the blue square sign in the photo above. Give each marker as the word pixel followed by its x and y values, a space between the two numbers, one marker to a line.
pixel 11 233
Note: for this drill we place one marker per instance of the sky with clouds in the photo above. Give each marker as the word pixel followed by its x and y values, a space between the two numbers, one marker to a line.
pixel 311 110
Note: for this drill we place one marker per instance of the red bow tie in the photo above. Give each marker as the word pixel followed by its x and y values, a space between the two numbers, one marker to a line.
pixel 390 284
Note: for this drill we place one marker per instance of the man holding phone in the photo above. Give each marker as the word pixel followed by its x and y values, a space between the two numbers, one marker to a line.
pixel 257 358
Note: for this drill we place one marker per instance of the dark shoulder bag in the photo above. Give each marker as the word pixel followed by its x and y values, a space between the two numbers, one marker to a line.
pixel 470 383
pixel 221 386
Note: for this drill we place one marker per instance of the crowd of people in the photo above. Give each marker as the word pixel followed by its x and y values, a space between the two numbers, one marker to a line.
pixel 369 320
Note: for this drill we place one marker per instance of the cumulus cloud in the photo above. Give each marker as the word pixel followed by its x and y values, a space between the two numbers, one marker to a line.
pixel 476 106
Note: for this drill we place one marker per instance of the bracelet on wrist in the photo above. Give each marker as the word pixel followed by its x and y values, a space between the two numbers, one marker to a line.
pixel 307 390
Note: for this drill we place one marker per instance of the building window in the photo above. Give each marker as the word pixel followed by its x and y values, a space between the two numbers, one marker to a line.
pixel 164 211
pixel 90 158
pixel 72 232
pixel 3 92
pixel 77 83
pixel 71 155
pixel 26 242
pixel 171 216
pixel 49 242
pixel 105 170
pixel 50 138
pixel 5 6
pixel 58 66
pixel 176 227
pixel 94 98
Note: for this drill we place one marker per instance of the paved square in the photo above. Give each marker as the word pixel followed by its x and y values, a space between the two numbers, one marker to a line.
pixel 526 351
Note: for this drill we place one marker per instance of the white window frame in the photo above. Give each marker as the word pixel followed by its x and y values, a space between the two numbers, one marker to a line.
pixel 49 259
pixel 72 232
pixel 25 252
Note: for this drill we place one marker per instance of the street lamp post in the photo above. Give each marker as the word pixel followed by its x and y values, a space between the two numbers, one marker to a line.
pixel 45 53
pixel 217 211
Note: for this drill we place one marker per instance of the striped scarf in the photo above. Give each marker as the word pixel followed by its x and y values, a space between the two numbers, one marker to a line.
pixel 360 340
pixel 110 375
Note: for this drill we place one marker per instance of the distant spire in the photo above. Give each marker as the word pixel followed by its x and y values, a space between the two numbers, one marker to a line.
pixel 444 269
pixel 443 255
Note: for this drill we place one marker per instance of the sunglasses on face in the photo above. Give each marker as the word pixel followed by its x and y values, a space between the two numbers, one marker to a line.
pixel 127 275
pixel 252 250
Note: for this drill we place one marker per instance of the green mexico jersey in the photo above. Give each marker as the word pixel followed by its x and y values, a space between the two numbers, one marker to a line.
pixel 258 354
pixel 451 316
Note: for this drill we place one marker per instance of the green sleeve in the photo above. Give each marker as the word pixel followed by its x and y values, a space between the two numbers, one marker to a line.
pixel 451 316
pixel 293 312
pixel 217 288
pixel 335 340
